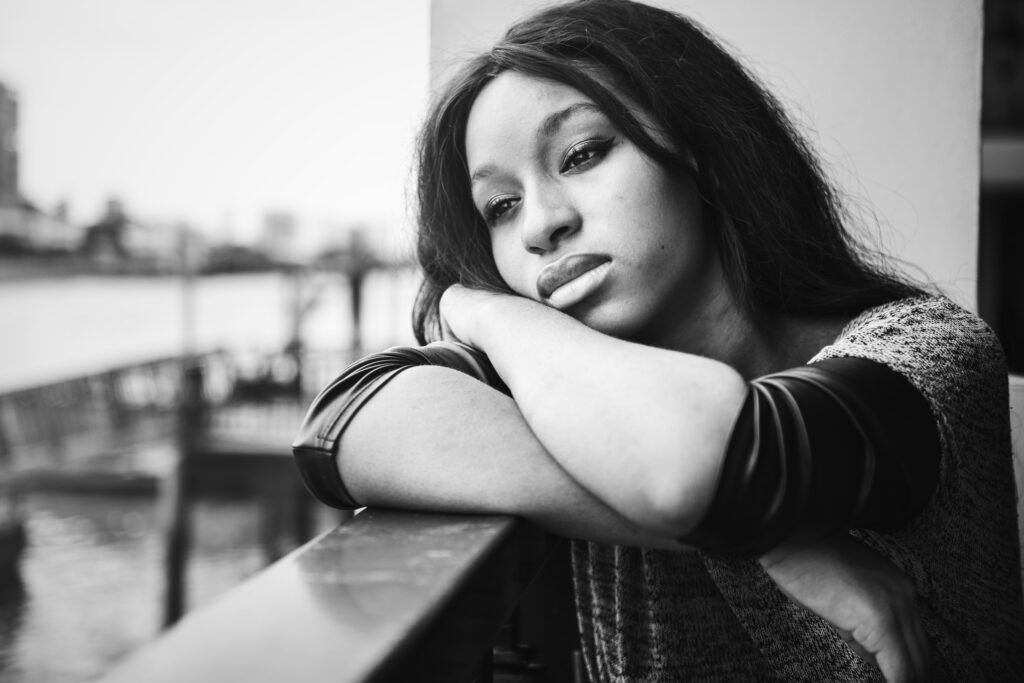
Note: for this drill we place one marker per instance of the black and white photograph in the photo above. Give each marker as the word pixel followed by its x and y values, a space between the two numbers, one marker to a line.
pixel 511 341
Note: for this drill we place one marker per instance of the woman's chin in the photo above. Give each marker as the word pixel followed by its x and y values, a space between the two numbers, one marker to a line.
pixel 609 318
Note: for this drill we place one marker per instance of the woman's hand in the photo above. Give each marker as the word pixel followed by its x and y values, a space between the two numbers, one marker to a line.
pixel 462 309
pixel 866 598
pixel 472 315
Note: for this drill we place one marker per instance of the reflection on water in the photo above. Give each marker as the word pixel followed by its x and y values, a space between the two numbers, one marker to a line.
pixel 93 583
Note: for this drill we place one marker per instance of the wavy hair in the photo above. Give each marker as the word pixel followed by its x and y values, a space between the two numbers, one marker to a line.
pixel 777 221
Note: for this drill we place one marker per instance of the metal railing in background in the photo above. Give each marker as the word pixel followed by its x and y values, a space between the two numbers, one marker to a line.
pixel 57 424
pixel 103 421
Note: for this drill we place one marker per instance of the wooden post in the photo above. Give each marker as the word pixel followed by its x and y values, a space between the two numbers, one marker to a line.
pixel 6 452
pixel 299 309
pixel 176 493
pixel 355 264
pixel 12 523
pixel 355 285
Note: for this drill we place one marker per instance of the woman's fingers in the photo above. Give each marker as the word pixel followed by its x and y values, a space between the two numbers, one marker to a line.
pixel 449 309
pixel 859 649
pixel 918 649
pixel 467 313
pixel 902 661
pixel 890 636
pixel 890 626
pixel 446 331
pixel 895 660
pixel 460 308
pixel 920 646
pixel 866 598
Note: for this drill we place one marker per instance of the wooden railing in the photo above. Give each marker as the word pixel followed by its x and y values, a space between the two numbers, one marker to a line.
pixel 386 596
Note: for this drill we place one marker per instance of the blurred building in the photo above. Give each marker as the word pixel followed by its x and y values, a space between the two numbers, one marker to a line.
pixel 118 239
pixel 8 147
pixel 24 228
pixel 108 239
pixel 280 236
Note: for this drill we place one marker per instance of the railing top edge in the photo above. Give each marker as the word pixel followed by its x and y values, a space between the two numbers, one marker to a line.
pixel 341 608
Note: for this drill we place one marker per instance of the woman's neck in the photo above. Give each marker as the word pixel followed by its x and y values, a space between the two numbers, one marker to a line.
pixel 726 332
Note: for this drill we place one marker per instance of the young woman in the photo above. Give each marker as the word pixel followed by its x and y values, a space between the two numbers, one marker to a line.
pixel 773 455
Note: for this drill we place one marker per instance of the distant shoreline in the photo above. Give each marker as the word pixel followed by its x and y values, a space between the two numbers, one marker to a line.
pixel 60 267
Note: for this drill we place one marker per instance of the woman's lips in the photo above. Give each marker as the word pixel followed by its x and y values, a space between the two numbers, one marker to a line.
pixel 571 278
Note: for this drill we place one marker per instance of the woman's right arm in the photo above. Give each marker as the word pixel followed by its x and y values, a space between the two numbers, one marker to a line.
pixel 436 439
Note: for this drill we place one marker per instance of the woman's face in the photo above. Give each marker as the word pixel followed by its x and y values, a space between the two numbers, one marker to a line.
pixel 580 218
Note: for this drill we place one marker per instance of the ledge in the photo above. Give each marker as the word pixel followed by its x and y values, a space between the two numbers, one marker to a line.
pixel 386 596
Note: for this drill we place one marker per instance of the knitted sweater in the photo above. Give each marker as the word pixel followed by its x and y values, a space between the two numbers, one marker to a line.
pixel 650 615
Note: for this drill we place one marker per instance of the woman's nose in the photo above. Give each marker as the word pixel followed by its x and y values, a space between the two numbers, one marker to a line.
pixel 551 217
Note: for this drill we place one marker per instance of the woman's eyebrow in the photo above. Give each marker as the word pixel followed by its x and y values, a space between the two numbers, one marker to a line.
pixel 548 127
pixel 554 121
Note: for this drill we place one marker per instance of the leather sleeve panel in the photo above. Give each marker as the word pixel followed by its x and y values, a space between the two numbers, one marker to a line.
pixel 316 445
pixel 841 444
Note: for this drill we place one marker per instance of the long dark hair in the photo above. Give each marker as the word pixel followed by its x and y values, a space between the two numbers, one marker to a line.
pixel 777 220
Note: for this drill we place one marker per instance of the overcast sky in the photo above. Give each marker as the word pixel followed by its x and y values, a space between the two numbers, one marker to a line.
pixel 215 111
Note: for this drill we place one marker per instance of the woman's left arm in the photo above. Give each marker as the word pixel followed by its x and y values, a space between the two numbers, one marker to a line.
pixel 626 450
pixel 616 415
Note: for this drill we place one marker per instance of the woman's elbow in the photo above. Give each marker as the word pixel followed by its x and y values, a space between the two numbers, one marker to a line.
pixel 673 505
pixel 679 480
pixel 684 461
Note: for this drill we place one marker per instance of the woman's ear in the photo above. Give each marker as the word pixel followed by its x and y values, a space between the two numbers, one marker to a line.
pixel 703 177
pixel 714 180
pixel 695 166
pixel 690 160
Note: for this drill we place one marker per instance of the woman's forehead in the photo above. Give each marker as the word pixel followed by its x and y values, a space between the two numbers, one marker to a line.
pixel 515 112
pixel 516 109
pixel 518 101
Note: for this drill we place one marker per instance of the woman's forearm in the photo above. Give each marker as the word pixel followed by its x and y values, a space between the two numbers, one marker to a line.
pixel 435 439
pixel 642 428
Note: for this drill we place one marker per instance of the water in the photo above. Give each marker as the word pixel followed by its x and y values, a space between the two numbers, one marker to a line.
pixel 93 581
pixel 51 329
pixel 92 574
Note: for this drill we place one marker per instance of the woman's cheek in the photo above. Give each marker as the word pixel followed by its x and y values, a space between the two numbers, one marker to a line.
pixel 519 284
pixel 514 274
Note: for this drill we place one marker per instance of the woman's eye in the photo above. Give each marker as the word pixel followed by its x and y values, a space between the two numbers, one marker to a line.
pixel 584 154
pixel 498 207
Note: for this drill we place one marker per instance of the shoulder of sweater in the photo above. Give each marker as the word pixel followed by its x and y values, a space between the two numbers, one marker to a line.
pixel 930 329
